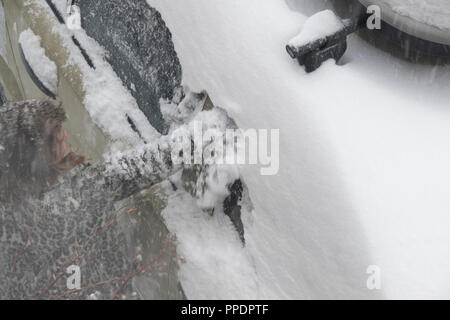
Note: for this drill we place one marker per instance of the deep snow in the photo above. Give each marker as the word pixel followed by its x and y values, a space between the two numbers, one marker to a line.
pixel 364 149
pixel 109 102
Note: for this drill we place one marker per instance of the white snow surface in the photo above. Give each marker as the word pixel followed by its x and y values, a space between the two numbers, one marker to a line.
pixel 320 25
pixel 214 263
pixel 212 187
pixel 44 68
pixel 364 150
pixel 432 12
pixel 3 35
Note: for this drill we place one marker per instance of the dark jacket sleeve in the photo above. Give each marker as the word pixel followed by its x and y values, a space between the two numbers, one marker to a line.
pixel 123 176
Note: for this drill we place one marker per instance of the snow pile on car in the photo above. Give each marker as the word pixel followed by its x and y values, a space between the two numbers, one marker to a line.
pixel 320 25
pixel 214 264
pixel 139 48
pixel 44 68
pixel 108 102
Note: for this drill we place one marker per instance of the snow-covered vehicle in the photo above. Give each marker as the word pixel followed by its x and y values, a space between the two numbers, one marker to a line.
pixel 359 207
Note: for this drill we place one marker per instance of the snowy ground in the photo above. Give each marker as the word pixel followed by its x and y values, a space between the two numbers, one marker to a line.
pixel 363 175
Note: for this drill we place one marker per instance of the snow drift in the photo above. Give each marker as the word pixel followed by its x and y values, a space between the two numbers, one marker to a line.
pixel 364 149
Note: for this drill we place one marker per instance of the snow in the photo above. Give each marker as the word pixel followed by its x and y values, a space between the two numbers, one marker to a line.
pixel 364 153
pixel 214 263
pixel 188 120
pixel 432 12
pixel 44 68
pixel 3 35
pixel 61 6
pixel 364 157
pixel 320 25
pixel 106 99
